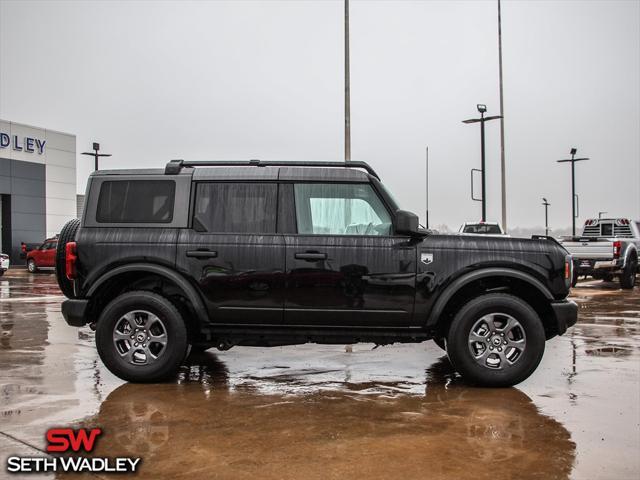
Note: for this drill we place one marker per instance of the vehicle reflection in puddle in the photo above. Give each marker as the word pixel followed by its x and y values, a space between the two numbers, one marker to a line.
pixel 204 423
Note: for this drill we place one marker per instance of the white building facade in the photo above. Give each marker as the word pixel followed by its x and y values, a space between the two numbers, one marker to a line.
pixel 37 184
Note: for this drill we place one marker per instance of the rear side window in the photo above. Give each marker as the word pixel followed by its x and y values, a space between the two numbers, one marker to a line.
pixel 236 207
pixel 136 201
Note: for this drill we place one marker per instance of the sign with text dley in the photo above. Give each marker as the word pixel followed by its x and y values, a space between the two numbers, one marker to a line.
pixel 22 144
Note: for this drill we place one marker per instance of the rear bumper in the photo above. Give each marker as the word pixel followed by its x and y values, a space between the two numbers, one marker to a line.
pixel 566 313
pixel 585 266
pixel 74 312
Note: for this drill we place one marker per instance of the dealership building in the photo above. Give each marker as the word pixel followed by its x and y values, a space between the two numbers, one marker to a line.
pixel 37 184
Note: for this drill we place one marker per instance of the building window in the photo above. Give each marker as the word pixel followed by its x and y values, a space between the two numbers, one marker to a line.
pixel 236 207
pixel 136 201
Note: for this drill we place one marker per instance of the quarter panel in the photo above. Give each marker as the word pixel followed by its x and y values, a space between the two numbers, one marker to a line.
pixel 101 249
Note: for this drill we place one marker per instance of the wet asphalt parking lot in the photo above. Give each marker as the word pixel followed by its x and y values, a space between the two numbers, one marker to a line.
pixel 316 412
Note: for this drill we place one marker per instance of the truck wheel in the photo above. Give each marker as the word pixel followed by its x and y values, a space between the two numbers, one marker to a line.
pixel 141 337
pixel 628 277
pixel 31 266
pixel 496 340
pixel 68 234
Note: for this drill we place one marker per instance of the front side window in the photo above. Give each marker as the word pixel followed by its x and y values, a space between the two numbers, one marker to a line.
pixel 236 207
pixel 136 201
pixel 340 209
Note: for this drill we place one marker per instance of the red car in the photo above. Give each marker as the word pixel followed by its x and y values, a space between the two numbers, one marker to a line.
pixel 43 256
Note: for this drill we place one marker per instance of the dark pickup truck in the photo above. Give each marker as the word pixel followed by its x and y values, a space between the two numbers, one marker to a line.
pixel 218 254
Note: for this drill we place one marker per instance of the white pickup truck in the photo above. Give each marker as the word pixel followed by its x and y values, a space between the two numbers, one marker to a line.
pixel 608 248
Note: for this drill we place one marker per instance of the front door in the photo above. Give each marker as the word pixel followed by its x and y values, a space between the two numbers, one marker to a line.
pixel 232 252
pixel 344 266
pixel 49 254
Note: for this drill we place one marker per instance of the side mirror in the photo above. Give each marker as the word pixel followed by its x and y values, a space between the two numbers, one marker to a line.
pixel 407 224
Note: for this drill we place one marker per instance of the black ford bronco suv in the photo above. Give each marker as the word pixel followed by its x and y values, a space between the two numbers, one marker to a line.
pixel 217 254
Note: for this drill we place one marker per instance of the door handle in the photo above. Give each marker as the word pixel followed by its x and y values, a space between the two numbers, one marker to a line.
pixel 201 254
pixel 311 256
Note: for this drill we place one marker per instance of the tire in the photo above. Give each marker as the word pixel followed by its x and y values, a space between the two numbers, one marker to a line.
pixel 574 280
pixel 514 362
pixel 68 234
pixel 31 266
pixel 146 361
pixel 628 277
pixel 2 272
pixel 441 343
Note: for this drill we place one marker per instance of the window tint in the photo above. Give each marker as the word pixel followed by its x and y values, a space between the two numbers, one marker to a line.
pixel 236 207
pixel 340 209
pixel 136 201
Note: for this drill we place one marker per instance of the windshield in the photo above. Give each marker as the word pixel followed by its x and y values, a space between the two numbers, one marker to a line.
pixel 482 228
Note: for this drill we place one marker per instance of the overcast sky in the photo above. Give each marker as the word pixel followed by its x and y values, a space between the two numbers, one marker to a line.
pixel 152 81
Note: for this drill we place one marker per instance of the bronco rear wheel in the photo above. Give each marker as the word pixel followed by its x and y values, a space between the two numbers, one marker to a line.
pixel 141 337
pixel 496 340
pixel 68 234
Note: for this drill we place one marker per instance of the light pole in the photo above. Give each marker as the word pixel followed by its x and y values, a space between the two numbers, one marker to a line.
pixel 573 161
pixel 503 177
pixel 482 109
pixel 546 216
pixel 95 154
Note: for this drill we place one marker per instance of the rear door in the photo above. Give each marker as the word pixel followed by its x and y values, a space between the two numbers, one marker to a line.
pixel 345 266
pixel 233 253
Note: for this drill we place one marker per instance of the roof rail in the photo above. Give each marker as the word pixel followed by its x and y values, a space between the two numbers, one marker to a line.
pixel 174 166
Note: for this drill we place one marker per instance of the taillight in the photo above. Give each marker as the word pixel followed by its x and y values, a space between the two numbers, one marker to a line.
pixel 617 249
pixel 568 271
pixel 71 256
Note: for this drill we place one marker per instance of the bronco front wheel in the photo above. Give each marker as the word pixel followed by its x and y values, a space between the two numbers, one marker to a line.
pixel 141 337
pixel 496 340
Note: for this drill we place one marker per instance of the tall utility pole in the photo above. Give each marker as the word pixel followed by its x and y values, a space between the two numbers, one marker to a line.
pixel 502 160
pixel 427 191
pixel 95 154
pixel 573 161
pixel 347 87
pixel 546 216
pixel 482 109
